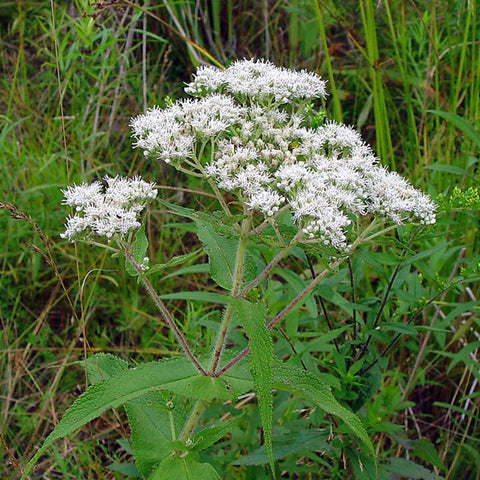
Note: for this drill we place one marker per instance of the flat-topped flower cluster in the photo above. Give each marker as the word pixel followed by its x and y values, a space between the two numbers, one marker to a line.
pixel 251 119
pixel 107 211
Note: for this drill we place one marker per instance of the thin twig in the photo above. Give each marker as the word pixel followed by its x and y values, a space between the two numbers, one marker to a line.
pixel 165 314
pixel 275 260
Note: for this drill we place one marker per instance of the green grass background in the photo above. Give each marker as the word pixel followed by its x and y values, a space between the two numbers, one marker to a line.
pixel 73 73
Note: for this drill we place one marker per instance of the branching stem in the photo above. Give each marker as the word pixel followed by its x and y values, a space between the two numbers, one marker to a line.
pixel 236 282
pixel 275 260
pixel 361 239
pixel 222 333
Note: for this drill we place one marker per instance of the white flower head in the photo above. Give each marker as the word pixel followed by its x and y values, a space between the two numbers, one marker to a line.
pixel 260 80
pixel 207 79
pixel 172 133
pixel 109 212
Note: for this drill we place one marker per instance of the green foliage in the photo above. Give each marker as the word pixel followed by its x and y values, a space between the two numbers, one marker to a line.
pixel 177 375
pixel 153 423
pixel 252 317
pixel 184 468
pixel 72 77
pixel 307 385
pixel 138 251
pixel 222 255
pixel 407 468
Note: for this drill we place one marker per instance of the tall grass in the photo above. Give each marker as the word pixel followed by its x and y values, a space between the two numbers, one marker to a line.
pixel 72 76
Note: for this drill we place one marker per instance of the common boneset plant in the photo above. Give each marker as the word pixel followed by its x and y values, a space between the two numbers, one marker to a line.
pixel 298 183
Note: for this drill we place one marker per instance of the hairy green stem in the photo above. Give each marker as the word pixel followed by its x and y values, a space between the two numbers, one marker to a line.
pixel 236 282
pixel 192 421
pixel 199 406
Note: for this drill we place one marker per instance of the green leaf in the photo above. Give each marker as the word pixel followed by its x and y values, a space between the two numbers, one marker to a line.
pixel 149 423
pixel 199 268
pixel 182 211
pixel 424 450
pixel 293 443
pixel 321 339
pixel 218 219
pixel 152 427
pixel 101 366
pixel 449 169
pixel 402 328
pixel 173 262
pixel 298 284
pixel 208 436
pixel 202 296
pixel 460 123
pixel 177 375
pixel 252 316
pixel 184 468
pixel 300 382
pixel 222 254
pixel 410 470
pixel 138 251
pixel 363 467
pixel 127 469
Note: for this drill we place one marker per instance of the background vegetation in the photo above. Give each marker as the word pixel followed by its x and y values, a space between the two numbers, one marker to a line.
pixel 405 73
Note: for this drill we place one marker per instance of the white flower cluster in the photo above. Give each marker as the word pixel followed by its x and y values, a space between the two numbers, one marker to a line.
pixel 170 134
pixel 258 80
pixel 108 212
pixel 271 158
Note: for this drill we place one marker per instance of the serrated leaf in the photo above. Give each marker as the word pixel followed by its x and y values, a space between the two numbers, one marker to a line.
pixel 202 387
pixel 300 382
pixel 138 250
pixel 252 316
pixel 101 366
pixel 177 375
pixel 184 468
pixel 222 253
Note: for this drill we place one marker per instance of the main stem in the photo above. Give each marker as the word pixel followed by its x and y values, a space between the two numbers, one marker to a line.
pixel 222 333
pixel 236 283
